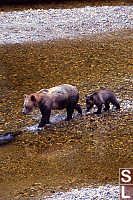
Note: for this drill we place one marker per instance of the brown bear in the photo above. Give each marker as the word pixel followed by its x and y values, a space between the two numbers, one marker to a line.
pixel 99 98
pixel 55 98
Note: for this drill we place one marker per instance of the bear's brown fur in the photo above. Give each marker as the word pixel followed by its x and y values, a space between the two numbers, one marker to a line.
pixel 99 98
pixel 56 98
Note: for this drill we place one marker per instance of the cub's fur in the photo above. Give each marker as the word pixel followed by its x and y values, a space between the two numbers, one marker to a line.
pixel 99 98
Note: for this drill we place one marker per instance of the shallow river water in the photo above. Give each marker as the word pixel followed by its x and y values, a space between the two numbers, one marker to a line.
pixel 86 151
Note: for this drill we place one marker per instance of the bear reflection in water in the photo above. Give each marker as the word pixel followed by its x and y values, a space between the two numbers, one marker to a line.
pixel 55 98
pixel 99 98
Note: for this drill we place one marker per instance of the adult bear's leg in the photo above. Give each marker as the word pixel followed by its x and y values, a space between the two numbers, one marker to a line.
pixel 78 108
pixel 70 110
pixel 45 116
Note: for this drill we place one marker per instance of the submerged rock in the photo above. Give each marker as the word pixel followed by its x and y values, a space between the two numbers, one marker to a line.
pixel 7 137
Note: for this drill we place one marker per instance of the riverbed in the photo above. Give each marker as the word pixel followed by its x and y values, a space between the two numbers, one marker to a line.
pixel 86 151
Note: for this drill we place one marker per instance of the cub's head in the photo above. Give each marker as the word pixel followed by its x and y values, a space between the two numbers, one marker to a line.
pixel 29 103
pixel 89 101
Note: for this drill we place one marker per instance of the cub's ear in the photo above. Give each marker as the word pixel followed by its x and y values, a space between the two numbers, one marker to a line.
pixel 25 96
pixel 91 97
pixel 33 98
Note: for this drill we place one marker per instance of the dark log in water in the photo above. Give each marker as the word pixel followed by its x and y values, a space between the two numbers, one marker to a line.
pixel 7 137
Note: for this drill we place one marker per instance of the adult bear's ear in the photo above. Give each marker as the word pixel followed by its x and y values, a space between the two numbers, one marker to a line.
pixel 25 96
pixel 33 98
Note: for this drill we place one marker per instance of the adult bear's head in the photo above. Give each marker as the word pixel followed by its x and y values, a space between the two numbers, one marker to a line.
pixel 30 101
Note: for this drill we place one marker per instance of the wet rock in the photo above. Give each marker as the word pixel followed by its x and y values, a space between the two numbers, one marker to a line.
pixel 7 137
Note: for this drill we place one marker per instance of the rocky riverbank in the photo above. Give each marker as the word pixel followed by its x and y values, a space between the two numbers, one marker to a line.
pixel 106 192
pixel 41 25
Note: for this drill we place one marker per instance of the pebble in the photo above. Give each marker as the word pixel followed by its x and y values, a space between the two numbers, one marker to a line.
pixel 106 192
pixel 41 25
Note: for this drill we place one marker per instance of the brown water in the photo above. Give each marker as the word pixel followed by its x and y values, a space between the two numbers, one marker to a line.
pixel 88 150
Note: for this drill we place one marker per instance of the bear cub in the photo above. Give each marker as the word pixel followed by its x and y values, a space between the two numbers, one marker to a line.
pixel 55 98
pixel 99 98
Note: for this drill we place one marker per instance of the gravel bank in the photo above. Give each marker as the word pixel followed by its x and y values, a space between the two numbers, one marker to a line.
pixel 106 192
pixel 40 25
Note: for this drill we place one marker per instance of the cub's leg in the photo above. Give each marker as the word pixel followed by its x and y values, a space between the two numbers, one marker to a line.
pixel 116 103
pixel 107 107
pixel 99 108
pixel 89 108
